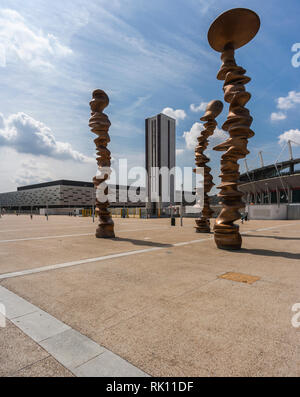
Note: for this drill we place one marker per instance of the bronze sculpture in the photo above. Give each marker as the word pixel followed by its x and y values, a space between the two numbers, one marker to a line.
pixel 213 109
pixel 99 124
pixel 230 31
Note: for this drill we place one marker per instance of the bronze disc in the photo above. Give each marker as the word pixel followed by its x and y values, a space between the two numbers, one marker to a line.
pixel 235 27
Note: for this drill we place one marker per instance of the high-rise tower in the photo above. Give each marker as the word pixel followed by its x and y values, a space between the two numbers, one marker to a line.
pixel 160 156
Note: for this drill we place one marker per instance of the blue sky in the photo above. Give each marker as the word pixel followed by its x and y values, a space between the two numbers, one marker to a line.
pixel 148 56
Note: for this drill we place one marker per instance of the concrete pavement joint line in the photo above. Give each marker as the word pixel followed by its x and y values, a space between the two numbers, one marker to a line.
pixel 273 227
pixel 62 225
pixel 14 373
pixel 21 315
pixel 75 263
pixel 49 226
pixel 45 237
pixel 90 260
pixel 75 351
pixel 191 242
pixel 268 228
pixel 73 235
pixel 119 231
pixel 112 256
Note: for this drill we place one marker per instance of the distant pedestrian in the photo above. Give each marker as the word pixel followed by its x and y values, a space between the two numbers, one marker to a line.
pixel 244 217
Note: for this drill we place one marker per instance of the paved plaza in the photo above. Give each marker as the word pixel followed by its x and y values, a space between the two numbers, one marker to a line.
pixel 151 302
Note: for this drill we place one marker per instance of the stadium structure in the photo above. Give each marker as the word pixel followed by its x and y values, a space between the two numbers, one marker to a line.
pixel 272 191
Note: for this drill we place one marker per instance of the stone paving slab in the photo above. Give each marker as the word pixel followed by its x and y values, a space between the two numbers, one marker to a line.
pixel 71 348
pixel 106 364
pixel 39 325
pixel 14 305
pixel 17 351
pixel 20 356
pixel 76 352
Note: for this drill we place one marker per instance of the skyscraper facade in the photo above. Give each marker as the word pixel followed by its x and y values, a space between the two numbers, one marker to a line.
pixel 160 141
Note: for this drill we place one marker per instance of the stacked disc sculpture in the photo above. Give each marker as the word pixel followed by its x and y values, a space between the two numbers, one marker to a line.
pixel 230 31
pixel 99 124
pixel 213 109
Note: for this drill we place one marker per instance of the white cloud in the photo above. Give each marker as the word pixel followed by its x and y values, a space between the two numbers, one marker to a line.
pixel 290 135
pixel 288 102
pixel 179 152
pixel 278 116
pixel 13 169
pixel 178 114
pixel 20 41
pixel 284 104
pixel 32 172
pixel 219 136
pixel 192 135
pixel 27 135
pixel 198 108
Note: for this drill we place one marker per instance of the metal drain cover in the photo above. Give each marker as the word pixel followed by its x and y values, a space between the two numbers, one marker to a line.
pixel 239 277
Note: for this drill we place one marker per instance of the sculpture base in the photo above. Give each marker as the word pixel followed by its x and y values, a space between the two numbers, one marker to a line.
pixel 228 238
pixel 105 231
pixel 204 230
pixel 203 226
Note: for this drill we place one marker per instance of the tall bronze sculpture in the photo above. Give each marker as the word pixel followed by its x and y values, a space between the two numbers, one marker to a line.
pixel 230 31
pixel 213 109
pixel 99 124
